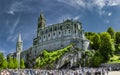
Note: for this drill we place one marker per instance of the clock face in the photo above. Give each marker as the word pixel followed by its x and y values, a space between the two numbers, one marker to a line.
pixel 5 72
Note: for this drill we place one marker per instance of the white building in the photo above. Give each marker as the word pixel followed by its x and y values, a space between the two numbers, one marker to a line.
pixel 56 36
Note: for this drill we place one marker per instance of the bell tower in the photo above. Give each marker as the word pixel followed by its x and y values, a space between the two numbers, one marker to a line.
pixel 41 21
pixel 19 47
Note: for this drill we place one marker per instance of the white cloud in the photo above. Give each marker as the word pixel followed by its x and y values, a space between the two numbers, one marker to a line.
pixel 74 3
pixel 99 3
pixel 11 12
pixel 92 4
pixel 110 13
pixel 19 6
pixel 64 17
pixel 76 18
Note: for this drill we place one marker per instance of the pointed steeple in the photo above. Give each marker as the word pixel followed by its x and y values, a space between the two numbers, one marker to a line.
pixel 19 44
pixel 19 48
pixel 19 38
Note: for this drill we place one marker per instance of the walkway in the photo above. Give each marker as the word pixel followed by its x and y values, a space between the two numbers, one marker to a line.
pixel 114 73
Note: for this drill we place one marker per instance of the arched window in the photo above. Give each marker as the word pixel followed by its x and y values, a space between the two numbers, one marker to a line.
pixel 50 29
pixel 60 27
pixel 53 34
pixel 55 28
pixel 75 26
pixel 46 31
pixel 48 35
pixel 59 33
pixel 75 31
pixel 44 37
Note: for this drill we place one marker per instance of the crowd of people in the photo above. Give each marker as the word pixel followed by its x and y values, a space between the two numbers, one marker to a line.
pixel 83 71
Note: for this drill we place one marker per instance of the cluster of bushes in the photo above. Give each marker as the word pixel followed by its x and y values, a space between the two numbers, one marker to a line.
pixel 105 44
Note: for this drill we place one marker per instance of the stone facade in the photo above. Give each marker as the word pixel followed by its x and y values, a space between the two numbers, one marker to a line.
pixel 56 36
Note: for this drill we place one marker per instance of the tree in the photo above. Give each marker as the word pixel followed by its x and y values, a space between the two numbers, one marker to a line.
pixel 15 63
pixel 117 38
pixel 1 58
pixel 117 41
pixel 3 61
pixel 97 59
pixel 10 63
pixel 4 64
pixel 22 65
pixel 111 32
pixel 95 42
pixel 107 46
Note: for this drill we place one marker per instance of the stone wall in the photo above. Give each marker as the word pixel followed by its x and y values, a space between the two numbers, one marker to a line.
pixel 114 66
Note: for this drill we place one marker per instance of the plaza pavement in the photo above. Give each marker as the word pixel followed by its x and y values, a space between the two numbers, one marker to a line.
pixel 114 73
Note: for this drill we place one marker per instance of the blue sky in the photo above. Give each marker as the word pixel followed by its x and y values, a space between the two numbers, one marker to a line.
pixel 21 16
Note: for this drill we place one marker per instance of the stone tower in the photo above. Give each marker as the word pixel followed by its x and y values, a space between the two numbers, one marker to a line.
pixel 41 21
pixel 19 47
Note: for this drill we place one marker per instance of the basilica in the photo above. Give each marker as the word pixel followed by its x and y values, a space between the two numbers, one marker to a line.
pixel 52 37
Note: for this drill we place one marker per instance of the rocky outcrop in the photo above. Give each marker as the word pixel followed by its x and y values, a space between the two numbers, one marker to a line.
pixel 69 59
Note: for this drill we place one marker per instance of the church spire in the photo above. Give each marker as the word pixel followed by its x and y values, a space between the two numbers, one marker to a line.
pixel 19 38
pixel 19 44
pixel 19 47
pixel 41 21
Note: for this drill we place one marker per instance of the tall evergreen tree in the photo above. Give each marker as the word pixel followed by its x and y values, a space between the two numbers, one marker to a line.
pixel 111 31
pixel 117 38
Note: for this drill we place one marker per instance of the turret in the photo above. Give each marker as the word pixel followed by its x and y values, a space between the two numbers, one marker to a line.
pixel 41 21
pixel 19 44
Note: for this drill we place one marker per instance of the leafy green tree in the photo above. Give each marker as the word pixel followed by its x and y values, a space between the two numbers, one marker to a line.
pixel 4 64
pixel 111 32
pixel 117 38
pixel 1 59
pixel 117 41
pixel 97 59
pixel 22 65
pixel 15 63
pixel 10 63
pixel 107 46
pixel 95 42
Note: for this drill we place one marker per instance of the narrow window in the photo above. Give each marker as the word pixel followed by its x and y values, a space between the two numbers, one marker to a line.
pixel 69 31
pixel 54 34
pixel 75 31
pixel 75 26
pixel 44 36
pixel 48 35
pixel 60 27
pixel 59 32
